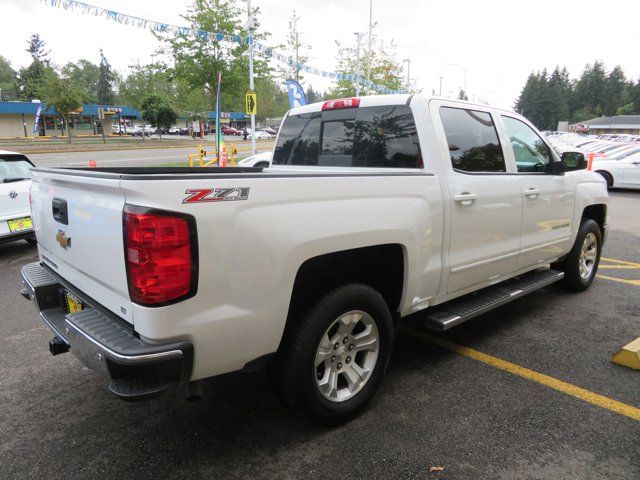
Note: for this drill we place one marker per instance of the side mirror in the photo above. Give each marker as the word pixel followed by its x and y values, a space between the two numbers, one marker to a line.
pixel 573 161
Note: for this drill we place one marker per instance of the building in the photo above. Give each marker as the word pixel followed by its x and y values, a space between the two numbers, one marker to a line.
pixel 629 124
pixel 34 119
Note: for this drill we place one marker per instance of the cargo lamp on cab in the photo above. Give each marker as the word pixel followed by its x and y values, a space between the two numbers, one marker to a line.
pixel 340 104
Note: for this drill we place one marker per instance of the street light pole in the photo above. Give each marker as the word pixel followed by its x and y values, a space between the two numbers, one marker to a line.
pixel 370 39
pixel 463 71
pixel 408 60
pixel 440 92
pixel 358 35
pixel 252 28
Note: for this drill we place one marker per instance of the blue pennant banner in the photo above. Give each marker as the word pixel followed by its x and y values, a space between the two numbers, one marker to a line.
pixel 124 19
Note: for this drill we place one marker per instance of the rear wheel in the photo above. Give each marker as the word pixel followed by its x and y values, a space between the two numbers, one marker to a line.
pixel 581 265
pixel 332 363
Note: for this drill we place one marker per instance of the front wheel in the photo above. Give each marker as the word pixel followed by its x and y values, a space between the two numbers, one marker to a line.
pixel 332 362
pixel 581 265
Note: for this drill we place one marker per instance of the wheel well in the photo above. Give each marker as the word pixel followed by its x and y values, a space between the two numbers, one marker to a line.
pixel 606 174
pixel 380 266
pixel 598 213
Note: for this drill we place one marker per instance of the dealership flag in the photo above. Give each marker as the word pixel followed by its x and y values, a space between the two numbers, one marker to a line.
pixel 296 94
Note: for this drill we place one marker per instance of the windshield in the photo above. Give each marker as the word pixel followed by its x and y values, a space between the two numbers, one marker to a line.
pixel 13 168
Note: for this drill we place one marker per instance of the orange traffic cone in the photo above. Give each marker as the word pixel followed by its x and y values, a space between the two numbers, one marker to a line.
pixel 92 163
pixel 589 161
pixel 223 157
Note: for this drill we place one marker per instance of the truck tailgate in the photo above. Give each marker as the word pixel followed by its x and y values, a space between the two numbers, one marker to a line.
pixel 78 224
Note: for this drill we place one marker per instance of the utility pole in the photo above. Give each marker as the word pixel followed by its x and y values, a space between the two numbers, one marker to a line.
pixel 440 92
pixel 408 60
pixel 297 74
pixel 251 26
pixel 358 36
pixel 370 39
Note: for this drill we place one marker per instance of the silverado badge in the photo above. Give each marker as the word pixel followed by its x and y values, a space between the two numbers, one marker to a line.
pixel 63 240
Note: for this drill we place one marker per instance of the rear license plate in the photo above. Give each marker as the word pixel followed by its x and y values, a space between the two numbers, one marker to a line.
pixel 20 224
pixel 73 304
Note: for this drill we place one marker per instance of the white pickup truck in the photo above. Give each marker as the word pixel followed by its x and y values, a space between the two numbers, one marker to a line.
pixel 375 209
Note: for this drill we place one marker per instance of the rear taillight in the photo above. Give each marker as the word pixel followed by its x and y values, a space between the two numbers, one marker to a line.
pixel 161 255
pixel 341 103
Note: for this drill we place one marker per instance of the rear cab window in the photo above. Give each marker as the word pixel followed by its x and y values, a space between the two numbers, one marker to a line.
pixel 374 137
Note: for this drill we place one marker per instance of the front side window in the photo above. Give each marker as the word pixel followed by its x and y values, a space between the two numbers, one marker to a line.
pixel 383 137
pixel 531 153
pixel 473 141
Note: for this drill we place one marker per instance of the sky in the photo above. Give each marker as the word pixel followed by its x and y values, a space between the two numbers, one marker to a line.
pixel 494 44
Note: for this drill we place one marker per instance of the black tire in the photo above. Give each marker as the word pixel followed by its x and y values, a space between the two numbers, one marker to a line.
pixel 293 371
pixel 573 280
pixel 262 165
pixel 608 178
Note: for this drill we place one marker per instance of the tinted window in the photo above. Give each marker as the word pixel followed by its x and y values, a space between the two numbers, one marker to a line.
pixel 360 137
pixel 473 140
pixel 531 153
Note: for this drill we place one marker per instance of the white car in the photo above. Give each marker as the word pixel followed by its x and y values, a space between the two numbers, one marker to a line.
pixel 623 173
pixel 261 135
pixel 262 159
pixel 15 181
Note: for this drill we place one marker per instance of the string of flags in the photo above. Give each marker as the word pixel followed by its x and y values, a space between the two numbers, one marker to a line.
pixel 125 19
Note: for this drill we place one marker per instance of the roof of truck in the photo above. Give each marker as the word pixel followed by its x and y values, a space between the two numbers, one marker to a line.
pixel 398 99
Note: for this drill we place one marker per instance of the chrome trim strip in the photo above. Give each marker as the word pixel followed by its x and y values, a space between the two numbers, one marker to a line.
pixel 543 245
pixel 483 262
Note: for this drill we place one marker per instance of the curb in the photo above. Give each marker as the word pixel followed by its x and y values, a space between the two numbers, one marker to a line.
pixel 115 149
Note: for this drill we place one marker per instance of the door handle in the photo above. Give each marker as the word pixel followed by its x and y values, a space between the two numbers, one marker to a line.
pixel 532 192
pixel 465 198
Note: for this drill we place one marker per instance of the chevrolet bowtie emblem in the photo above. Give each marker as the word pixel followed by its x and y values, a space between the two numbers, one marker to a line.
pixel 13 194
pixel 62 239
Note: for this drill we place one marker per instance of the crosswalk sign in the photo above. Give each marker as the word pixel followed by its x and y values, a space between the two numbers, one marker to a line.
pixel 251 100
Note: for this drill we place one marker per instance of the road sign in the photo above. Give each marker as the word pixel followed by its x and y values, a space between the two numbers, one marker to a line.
pixel 251 100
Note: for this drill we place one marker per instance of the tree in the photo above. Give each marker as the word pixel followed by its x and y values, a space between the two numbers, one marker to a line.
pixel 198 59
pixel 312 95
pixel 462 95
pixel 84 75
pixel 106 81
pixel 61 94
pixel 616 91
pixel 29 78
pixel 8 81
pixel 295 48
pixel 158 112
pixel 381 62
pixel 146 80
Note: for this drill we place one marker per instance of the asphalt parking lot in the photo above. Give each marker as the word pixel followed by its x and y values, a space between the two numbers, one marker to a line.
pixel 456 407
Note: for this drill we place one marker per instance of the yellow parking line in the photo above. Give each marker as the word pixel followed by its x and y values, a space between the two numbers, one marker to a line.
pixel 618 267
pixel 564 387
pixel 620 280
pixel 622 262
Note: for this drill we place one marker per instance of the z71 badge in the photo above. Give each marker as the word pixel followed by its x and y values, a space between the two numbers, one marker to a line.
pixel 206 195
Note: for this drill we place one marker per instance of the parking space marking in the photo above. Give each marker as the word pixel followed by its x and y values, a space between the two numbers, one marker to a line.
pixel 615 264
pixel 621 262
pixel 520 371
pixel 620 280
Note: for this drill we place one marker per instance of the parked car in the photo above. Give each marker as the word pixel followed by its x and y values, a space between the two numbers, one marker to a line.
pixel 375 211
pixel 261 135
pixel 15 181
pixel 624 173
pixel 230 131
pixel 269 130
pixel 258 160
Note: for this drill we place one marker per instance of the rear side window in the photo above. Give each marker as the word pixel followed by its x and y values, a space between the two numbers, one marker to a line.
pixel 473 141
pixel 383 137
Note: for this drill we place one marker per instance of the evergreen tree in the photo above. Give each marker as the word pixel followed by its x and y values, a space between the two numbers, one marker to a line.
pixel 30 78
pixel 106 81
pixel 462 95
pixel 616 91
